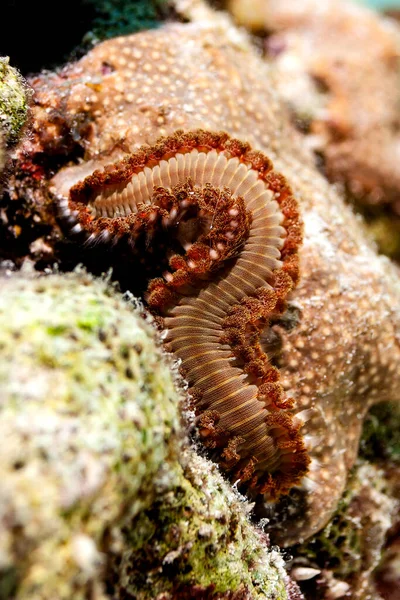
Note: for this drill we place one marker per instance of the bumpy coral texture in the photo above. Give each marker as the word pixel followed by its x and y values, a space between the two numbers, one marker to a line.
pixel 338 66
pixel 195 541
pixel 339 338
pixel 14 98
pixel 88 418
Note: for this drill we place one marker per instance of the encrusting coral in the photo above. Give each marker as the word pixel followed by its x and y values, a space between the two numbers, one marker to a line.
pixel 92 450
pixel 338 341
pixel 347 94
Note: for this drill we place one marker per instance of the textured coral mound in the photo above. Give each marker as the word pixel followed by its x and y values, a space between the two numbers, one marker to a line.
pixel 338 69
pixel 88 418
pixel 337 343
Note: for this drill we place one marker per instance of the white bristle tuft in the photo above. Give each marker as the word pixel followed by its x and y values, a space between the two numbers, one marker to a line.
pixel 76 228
pixel 308 484
pixel 303 416
pixel 104 235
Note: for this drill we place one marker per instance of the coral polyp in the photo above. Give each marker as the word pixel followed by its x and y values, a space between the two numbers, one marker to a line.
pixel 233 233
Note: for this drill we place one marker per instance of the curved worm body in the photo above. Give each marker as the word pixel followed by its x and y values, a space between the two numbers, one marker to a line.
pixel 235 230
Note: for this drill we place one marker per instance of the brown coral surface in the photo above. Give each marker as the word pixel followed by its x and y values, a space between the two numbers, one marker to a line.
pixel 338 66
pixel 339 339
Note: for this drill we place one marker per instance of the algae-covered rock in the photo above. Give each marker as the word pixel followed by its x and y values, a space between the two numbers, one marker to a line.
pixel 14 99
pixel 88 418
pixel 13 102
pixel 195 541
pixel 100 498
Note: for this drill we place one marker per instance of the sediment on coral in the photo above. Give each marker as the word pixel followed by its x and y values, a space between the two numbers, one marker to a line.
pixel 99 494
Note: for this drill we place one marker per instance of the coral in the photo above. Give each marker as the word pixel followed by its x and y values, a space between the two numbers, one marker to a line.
pixel 14 101
pixel 355 555
pixel 341 559
pixel 337 344
pixel 197 543
pixel 345 95
pixel 221 201
pixel 14 98
pixel 88 422
pixel 93 499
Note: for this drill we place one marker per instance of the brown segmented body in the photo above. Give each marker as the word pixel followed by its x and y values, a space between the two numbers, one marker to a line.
pixel 238 230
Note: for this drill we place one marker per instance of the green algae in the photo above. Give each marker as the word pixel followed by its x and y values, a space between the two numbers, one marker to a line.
pixel 82 379
pixel 100 496
pixel 380 440
pixel 197 542
pixel 14 100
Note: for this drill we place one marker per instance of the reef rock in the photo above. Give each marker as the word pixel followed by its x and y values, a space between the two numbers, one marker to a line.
pixel 14 99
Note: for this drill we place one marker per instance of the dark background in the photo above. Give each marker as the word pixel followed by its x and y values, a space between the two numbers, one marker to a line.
pixel 42 34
